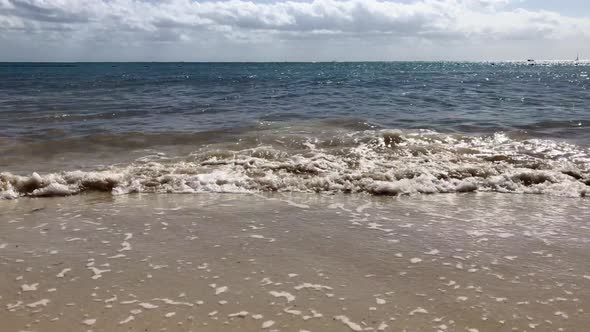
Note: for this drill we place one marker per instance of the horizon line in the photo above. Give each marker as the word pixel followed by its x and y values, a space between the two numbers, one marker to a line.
pixel 301 61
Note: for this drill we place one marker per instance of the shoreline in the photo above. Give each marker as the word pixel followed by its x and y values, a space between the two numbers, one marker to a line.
pixel 294 262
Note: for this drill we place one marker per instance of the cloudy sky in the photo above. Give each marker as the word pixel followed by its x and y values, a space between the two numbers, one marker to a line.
pixel 279 30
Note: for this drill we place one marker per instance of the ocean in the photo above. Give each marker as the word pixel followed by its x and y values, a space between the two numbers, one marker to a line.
pixel 382 128
pixel 403 196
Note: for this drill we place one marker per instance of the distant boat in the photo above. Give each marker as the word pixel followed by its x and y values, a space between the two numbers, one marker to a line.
pixel 531 62
pixel 577 61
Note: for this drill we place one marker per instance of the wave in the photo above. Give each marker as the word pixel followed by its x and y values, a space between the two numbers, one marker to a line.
pixel 375 161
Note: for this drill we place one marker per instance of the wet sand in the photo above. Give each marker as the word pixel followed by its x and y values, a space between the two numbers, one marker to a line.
pixel 213 262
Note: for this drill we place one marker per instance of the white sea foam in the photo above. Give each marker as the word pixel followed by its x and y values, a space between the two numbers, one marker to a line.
pixel 346 321
pixel 268 324
pixel 382 162
pixel 288 296
pixel 42 302
pixel 29 288
pixel 89 322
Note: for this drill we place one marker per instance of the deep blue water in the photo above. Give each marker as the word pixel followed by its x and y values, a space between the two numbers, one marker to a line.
pixel 39 101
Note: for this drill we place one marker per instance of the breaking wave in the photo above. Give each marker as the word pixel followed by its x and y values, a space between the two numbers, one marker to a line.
pixel 378 162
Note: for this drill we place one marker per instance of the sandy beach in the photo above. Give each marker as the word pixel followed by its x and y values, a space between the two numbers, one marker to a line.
pixel 294 166
pixel 295 262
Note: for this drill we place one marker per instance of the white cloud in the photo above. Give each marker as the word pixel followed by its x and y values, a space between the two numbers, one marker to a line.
pixel 137 22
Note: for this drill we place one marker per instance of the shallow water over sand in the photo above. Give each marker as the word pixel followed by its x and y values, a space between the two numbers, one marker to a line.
pixel 294 262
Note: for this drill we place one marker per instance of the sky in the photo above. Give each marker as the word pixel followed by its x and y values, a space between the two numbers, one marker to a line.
pixel 299 30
